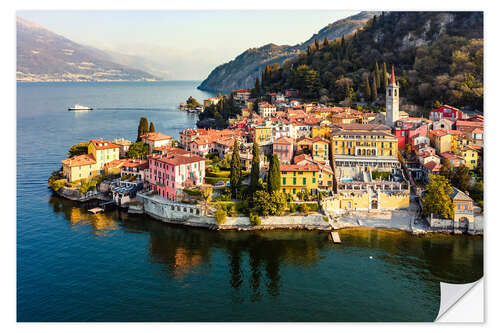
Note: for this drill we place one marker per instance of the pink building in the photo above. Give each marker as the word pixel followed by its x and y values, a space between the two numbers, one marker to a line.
pixel 169 174
pixel 407 128
pixel 283 148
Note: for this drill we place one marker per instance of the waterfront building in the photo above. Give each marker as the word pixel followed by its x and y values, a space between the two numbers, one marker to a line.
pixel 170 174
pixel 392 101
pixel 299 178
pixel 463 207
pixel 103 152
pixel 80 167
pixel 156 139
pixel 114 167
pixel 283 148
pixel 210 101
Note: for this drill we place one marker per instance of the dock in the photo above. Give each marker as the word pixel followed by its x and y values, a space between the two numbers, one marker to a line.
pixel 96 210
pixel 335 237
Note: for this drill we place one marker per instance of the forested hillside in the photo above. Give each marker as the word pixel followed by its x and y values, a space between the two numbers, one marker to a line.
pixel 438 56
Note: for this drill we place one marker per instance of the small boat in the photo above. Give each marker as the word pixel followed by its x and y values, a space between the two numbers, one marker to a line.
pixel 78 107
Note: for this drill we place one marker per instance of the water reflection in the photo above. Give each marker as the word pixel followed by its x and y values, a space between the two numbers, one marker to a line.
pixel 78 215
pixel 256 260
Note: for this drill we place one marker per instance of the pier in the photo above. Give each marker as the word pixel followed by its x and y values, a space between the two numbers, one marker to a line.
pixel 335 237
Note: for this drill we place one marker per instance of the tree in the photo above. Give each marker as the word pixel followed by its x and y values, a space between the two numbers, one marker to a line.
pixel 192 102
pixel 273 175
pixel 261 203
pixel 220 215
pixel 368 90
pixel 278 202
pixel 374 89
pixel 437 198
pixel 142 129
pixel 385 76
pixel 206 196
pixel 255 171
pixel 151 127
pixel 137 150
pixel 446 170
pixel 461 178
pixel 78 149
pixel 377 74
pixel 325 42
pixel 235 173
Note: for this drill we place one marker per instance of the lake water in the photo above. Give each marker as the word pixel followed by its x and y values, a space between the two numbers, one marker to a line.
pixel 72 266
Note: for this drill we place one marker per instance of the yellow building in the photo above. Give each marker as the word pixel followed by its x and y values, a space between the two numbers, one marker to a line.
pixel 80 167
pixel 320 149
pixel 321 131
pixel 299 178
pixel 363 143
pixel 263 135
pixel 363 201
pixel 442 141
pixel 103 152
pixel 304 144
pixel 470 156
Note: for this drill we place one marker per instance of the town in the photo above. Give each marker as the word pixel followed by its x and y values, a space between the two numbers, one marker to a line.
pixel 282 162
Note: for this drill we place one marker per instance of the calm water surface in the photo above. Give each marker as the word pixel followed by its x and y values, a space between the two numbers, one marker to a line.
pixel 72 266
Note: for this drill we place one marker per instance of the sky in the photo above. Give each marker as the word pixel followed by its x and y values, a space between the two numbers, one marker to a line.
pixel 184 45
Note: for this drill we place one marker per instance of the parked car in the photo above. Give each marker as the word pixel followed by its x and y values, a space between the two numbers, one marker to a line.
pixel 219 183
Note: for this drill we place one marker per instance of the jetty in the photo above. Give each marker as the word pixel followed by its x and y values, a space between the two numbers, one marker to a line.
pixel 96 210
pixel 335 237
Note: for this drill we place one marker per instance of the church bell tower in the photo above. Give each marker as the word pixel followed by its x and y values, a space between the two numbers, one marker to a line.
pixel 392 101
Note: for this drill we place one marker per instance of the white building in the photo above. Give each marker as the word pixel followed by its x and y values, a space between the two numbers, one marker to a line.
pixel 392 101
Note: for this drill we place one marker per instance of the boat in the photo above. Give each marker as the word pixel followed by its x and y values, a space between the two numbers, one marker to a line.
pixel 78 107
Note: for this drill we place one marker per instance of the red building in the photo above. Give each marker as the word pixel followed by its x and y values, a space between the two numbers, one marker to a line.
pixel 445 111
pixel 291 92
pixel 407 128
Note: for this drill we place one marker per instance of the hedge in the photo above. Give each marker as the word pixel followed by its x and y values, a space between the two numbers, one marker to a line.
pixel 213 180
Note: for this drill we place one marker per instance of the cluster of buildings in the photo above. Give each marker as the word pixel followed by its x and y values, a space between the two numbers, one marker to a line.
pixel 353 157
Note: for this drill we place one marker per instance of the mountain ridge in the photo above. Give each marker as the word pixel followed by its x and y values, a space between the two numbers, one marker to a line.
pixel 43 55
pixel 243 69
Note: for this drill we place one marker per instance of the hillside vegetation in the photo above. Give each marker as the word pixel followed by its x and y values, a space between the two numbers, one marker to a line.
pixel 437 56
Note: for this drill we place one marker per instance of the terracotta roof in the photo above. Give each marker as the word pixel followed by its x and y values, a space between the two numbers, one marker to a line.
pixel 102 144
pixel 393 77
pixel 459 195
pixel 180 160
pixel 364 127
pixel 318 139
pixel 115 164
pixel 135 163
pixel 432 166
pixel 155 136
pixel 79 160
pixel 285 140
pixel 295 167
pixel 302 157
pixel 450 156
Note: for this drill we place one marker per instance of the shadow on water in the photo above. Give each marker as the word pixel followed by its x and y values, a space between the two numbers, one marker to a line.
pixel 257 265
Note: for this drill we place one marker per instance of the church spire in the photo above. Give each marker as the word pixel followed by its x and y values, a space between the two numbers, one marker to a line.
pixel 393 77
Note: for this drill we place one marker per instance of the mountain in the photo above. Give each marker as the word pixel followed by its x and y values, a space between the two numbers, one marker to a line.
pixel 438 56
pixel 45 56
pixel 242 71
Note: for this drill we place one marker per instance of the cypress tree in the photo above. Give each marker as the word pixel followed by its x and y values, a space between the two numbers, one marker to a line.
pixel 368 90
pixel 316 44
pixel 374 89
pixel 325 42
pixel 273 175
pixel 235 173
pixel 255 172
pixel 142 129
pixel 377 74
pixel 151 127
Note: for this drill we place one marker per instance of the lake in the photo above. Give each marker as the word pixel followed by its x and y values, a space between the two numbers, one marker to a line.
pixel 74 266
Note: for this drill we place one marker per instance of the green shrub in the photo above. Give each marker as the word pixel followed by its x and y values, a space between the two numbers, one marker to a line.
pixel 192 191
pixel 381 174
pixel 213 180
pixel 255 219
pixel 220 215
pixel 220 174
pixel 293 208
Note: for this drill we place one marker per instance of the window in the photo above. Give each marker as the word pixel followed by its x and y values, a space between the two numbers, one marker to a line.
pixel 294 181
pixel 304 181
pixel 284 181
pixel 294 191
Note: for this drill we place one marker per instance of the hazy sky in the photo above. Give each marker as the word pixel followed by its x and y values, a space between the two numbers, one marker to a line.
pixel 184 44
